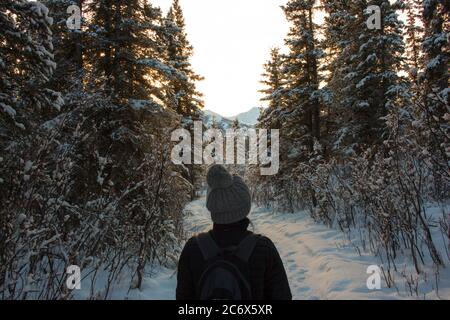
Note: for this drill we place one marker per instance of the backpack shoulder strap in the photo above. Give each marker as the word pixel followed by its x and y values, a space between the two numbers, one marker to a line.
pixel 207 245
pixel 245 248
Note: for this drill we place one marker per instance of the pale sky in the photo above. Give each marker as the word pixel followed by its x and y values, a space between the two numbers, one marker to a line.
pixel 231 40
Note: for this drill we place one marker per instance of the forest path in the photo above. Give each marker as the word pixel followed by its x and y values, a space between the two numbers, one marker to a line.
pixel 319 262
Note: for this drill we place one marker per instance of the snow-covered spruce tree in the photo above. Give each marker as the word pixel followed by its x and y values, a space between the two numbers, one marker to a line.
pixel 26 64
pixel 302 120
pixel 124 58
pixel 365 80
pixel 123 49
pixel 186 99
pixel 273 81
pixel 335 21
pixel 414 36
pixel 299 118
pixel 28 181
pixel 273 91
pixel 435 16
pixel 435 108
pixel 181 92
pixel 67 46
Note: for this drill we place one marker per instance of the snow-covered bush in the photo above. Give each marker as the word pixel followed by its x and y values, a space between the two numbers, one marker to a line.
pixel 53 217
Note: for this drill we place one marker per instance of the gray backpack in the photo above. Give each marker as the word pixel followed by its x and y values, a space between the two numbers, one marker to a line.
pixel 226 275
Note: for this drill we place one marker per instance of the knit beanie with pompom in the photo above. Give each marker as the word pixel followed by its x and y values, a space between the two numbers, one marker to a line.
pixel 228 197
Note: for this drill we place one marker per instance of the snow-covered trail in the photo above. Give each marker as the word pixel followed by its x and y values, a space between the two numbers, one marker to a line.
pixel 319 263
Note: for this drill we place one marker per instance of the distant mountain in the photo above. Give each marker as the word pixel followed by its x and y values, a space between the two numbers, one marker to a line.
pixel 210 116
pixel 246 119
pixel 249 117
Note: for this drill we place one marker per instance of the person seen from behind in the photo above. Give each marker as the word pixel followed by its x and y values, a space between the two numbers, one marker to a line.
pixel 230 262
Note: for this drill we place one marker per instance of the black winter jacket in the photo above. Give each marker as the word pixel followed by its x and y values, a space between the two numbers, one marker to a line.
pixel 268 278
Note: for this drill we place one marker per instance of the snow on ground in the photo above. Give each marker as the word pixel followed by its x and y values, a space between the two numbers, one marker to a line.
pixel 316 268
pixel 319 261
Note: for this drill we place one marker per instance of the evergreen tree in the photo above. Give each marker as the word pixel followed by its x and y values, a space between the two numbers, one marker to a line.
pixel 301 119
pixel 181 92
pixel 68 46
pixel 274 95
pixel 335 41
pixel 435 110
pixel 124 49
pixel 414 37
pixel 185 99
pixel 365 80
pixel 436 17
pixel 26 64
pixel 273 81
pixel 295 101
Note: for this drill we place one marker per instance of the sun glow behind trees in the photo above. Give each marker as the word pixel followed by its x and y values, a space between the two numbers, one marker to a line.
pixel 231 39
